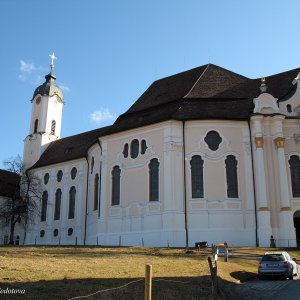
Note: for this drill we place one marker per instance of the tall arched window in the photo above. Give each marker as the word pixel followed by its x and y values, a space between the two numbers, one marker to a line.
pixel 295 175
pixel 53 125
pixel 35 127
pixel 231 177
pixel 72 195
pixel 57 204
pixel 96 191
pixel 197 176
pixel 44 206
pixel 154 180
pixel 116 189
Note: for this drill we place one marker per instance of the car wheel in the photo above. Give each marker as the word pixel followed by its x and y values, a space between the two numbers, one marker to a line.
pixel 260 277
pixel 291 277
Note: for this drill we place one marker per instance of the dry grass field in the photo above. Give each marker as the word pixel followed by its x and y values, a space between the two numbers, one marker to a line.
pixel 68 272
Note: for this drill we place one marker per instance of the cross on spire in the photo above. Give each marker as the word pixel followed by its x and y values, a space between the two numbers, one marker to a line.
pixel 53 57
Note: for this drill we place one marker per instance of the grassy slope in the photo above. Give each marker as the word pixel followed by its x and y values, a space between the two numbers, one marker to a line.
pixel 65 272
pixel 61 273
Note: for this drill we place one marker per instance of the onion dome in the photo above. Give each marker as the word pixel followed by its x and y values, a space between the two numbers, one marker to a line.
pixel 49 88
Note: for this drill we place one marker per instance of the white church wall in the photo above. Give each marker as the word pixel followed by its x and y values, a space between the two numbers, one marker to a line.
pixel 63 224
pixel 216 217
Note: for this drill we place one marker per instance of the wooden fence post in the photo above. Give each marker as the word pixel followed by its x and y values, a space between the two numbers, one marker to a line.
pixel 148 282
pixel 214 277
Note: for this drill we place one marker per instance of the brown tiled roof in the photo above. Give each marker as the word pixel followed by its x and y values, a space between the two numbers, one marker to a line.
pixel 206 92
pixel 70 148
pixel 9 183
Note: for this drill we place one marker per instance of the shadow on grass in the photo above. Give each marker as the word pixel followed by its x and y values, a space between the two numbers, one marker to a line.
pixel 162 288
pixel 243 276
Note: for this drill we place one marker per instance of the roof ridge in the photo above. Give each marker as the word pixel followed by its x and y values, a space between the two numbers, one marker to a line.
pixel 197 81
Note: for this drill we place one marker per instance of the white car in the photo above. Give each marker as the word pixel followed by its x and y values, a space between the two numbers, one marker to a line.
pixel 277 264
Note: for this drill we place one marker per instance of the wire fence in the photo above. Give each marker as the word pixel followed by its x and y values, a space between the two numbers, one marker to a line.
pixel 196 291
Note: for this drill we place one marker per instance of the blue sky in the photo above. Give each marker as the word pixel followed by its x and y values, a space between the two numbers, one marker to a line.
pixel 110 51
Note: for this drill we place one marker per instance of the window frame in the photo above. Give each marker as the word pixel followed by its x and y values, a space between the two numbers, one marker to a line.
pixel 72 203
pixel 44 204
pixel 154 186
pixel 116 186
pixel 232 176
pixel 197 176
pixel 295 175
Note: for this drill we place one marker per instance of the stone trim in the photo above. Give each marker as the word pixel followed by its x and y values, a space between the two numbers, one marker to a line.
pixel 286 208
pixel 279 142
pixel 263 209
pixel 259 142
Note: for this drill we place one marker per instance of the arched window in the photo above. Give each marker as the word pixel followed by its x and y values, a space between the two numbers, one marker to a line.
pixel 35 127
pixel 57 204
pixel 197 176
pixel 73 173
pixel 231 177
pixel 53 125
pixel 154 180
pixel 59 175
pixel 46 178
pixel 92 164
pixel 72 195
pixel 289 108
pixel 213 140
pixel 134 148
pixel 143 147
pixel 116 189
pixel 96 191
pixel 125 150
pixel 295 175
pixel 42 233
pixel 44 206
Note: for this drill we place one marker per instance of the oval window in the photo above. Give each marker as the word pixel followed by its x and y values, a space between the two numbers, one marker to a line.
pixel 42 233
pixel 70 231
pixel 55 232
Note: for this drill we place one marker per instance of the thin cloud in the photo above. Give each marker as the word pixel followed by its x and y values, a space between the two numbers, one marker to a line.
pixel 102 115
pixel 64 87
pixel 27 67
pixel 29 71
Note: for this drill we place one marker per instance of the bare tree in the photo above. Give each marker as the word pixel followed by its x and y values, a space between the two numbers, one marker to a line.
pixel 23 205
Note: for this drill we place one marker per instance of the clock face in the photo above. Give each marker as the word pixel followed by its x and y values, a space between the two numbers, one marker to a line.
pixel 38 100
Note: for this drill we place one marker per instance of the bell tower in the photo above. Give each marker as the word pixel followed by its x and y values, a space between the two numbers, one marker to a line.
pixel 46 115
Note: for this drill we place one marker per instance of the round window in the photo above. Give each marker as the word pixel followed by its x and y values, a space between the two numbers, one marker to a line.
pixel 46 178
pixel 73 173
pixel 59 175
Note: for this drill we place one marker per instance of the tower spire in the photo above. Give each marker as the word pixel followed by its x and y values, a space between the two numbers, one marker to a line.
pixel 53 57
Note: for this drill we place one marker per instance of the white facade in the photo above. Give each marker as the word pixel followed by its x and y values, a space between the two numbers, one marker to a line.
pixel 264 206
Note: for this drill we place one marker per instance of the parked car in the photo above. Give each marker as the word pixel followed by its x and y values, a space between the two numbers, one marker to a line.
pixel 277 264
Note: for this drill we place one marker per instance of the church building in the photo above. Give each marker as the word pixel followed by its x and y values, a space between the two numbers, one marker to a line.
pixel 203 155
